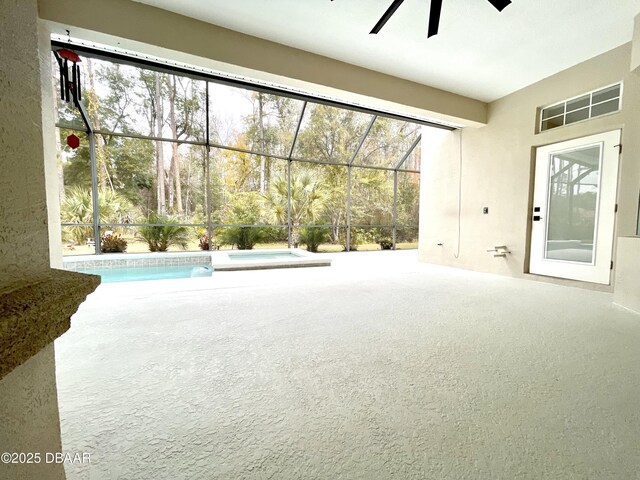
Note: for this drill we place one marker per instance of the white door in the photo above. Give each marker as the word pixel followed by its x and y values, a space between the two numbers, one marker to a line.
pixel 574 208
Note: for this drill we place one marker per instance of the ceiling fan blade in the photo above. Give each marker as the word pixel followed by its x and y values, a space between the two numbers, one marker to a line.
pixel 387 15
pixel 500 4
pixel 434 17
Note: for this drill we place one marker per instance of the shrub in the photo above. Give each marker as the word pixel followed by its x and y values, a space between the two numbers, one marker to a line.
pixel 244 238
pixel 385 243
pixel 160 237
pixel 113 244
pixel 205 244
pixel 244 209
pixel 313 237
pixel 355 239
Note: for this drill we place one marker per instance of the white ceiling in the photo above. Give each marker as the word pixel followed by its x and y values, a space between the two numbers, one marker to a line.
pixel 479 52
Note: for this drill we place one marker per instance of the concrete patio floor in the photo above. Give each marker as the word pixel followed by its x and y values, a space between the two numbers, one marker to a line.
pixel 375 368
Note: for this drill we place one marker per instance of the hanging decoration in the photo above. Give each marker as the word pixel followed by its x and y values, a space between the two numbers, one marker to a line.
pixel 73 141
pixel 70 87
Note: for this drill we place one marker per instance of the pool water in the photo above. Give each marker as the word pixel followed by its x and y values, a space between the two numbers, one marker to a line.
pixel 263 256
pixel 152 272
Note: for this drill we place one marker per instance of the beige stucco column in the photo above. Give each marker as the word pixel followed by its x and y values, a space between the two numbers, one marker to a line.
pixel 36 301
pixel 627 279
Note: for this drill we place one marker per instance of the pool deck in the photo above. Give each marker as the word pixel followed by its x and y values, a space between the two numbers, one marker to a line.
pixel 379 367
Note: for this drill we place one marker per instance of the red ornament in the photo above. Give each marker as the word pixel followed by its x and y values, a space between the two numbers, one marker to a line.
pixel 73 141
pixel 68 55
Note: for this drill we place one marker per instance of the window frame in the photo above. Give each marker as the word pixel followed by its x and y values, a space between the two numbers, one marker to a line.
pixel 588 107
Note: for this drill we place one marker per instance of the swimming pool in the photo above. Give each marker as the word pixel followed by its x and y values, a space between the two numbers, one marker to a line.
pixel 150 272
pixel 264 259
pixel 131 267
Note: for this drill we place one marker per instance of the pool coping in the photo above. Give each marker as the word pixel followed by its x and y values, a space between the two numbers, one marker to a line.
pixel 81 263
pixel 221 261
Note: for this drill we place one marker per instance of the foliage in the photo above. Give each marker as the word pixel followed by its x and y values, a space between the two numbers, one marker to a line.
pixel 244 209
pixel 77 207
pixel 113 243
pixel 354 239
pixel 313 237
pixel 235 187
pixel 206 244
pixel 371 197
pixel 385 243
pixel 203 242
pixel 245 238
pixel 306 199
pixel 160 237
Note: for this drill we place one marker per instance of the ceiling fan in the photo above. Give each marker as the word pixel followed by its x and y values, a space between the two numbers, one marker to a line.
pixel 434 14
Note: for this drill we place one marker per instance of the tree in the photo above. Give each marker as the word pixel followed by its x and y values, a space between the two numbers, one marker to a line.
pixel 244 209
pixel 306 199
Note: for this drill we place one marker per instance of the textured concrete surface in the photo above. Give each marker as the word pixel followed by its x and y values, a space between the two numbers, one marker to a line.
pixel 378 367
pixel 23 212
pixel 29 421
pixel 32 317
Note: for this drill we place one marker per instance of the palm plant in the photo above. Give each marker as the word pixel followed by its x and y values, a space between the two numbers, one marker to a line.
pixel 306 202
pixel 163 233
pixel 77 207
pixel 313 237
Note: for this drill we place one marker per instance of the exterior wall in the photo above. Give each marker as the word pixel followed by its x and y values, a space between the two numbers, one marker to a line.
pixel 635 54
pixel 151 30
pixel 49 146
pixel 498 162
pixel 24 244
pixel 29 417
pixel 28 400
pixel 627 292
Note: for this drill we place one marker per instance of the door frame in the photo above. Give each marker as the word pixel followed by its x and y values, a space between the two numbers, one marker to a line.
pixel 599 270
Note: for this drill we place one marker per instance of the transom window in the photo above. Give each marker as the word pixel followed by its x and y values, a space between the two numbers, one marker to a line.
pixel 592 104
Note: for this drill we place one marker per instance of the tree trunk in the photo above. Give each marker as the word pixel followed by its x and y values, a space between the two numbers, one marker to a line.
pixel 187 195
pixel 160 187
pixel 92 111
pixel 263 185
pixel 174 175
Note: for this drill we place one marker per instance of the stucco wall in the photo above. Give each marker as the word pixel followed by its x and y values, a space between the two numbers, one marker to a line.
pixel 635 54
pixel 29 417
pixel 497 168
pixel 24 248
pixel 49 148
pixel 627 292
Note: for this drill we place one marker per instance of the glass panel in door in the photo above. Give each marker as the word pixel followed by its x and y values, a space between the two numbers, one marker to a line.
pixel 572 215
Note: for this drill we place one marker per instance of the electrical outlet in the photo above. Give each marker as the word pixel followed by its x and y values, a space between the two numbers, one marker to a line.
pixel 485 210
